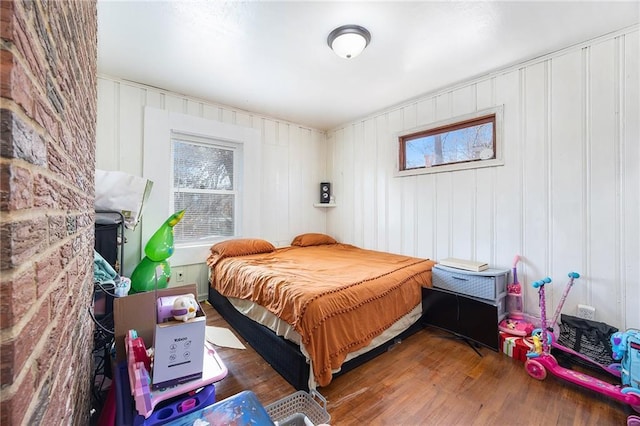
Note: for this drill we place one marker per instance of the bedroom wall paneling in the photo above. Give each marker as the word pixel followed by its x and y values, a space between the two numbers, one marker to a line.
pixel 293 161
pixel 628 73
pixel 566 198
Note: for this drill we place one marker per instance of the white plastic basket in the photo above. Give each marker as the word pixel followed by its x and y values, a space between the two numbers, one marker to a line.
pixel 300 408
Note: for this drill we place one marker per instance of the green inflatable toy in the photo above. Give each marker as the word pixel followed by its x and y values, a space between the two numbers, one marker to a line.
pixel 143 277
pixel 158 249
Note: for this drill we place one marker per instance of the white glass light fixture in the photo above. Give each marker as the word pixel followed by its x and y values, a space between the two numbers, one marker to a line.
pixel 348 41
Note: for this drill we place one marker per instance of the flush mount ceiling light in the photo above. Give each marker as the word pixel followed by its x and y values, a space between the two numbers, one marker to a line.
pixel 348 41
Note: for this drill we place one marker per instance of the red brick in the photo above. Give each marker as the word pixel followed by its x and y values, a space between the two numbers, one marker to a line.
pixel 57 228
pixel 20 141
pixel 12 410
pixel 47 271
pixel 59 299
pixel 50 49
pixel 16 353
pixel 20 241
pixel 46 192
pixel 17 294
pixel 14 82
pixel 6 20
pixel 16 188
pixel 46 117
pixel 27 43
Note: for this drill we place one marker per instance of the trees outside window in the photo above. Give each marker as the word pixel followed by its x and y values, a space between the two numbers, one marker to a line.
pixel 461 143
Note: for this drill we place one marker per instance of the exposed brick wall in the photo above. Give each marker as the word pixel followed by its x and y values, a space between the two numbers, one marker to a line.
pixel 48 113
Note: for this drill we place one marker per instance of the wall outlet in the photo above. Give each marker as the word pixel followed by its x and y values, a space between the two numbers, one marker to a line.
pixel 586 312
pixel 179 275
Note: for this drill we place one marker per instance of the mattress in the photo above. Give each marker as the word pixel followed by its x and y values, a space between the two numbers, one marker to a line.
pixel 331 299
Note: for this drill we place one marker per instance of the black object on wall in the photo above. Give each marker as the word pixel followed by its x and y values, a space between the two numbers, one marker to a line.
pixel 325 192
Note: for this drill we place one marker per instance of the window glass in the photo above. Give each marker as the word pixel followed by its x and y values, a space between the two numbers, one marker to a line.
pixel 459 143
pixel 470 143
pixel 204 184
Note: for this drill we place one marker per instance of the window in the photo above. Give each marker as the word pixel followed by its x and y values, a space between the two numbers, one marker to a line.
pixel 204 184
pixel 211 168
pixel 461 143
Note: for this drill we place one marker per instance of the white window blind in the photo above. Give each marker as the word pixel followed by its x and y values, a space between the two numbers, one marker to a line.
pixel 205 185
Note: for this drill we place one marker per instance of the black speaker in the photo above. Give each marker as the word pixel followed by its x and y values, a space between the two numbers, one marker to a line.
pixel 325 192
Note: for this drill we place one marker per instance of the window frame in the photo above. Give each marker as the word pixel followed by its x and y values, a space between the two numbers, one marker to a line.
pixel 237 180
pixel 157 164
pixel 452 124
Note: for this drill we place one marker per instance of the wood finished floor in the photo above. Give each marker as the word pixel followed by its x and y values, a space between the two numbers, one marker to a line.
pixel 429 379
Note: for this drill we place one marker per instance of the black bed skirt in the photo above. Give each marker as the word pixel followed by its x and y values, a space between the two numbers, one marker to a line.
pixel 284 356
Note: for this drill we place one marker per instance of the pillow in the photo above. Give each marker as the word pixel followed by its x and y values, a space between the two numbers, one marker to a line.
pixel 312 239
pixel 242 247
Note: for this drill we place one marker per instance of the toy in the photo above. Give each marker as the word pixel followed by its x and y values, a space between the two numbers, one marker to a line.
pixel 626 348
pixel 515 327
pixel 619 345
pixel 515 323
pixel 184 307
pixel 145 398
pixel 540 359
pixel 154 271
pixel 514 294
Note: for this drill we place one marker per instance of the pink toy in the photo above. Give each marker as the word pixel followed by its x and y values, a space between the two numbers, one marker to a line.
pixel 540 359
pixel 514 294
pixel 146 398
pixel 515 327
pixel 515 323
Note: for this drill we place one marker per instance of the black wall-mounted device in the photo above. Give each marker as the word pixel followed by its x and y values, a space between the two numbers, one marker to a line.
pixel 325 192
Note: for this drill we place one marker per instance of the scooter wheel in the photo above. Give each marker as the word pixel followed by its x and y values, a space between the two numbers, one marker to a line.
pixel 633 421
pixel 535 369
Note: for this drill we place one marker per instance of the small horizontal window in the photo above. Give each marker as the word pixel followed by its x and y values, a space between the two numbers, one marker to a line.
pixel 462 143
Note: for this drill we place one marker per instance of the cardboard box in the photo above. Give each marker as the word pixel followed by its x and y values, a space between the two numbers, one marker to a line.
pixel 513 346
pixel 178 346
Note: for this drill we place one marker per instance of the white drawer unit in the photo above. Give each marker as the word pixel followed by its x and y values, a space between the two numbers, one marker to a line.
pixel 490 284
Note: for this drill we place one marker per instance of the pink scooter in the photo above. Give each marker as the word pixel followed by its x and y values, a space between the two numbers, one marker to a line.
pixel 540 360
pixel 613 369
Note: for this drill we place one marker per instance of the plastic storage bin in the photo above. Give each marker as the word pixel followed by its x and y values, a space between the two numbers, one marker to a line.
pixel 300 408
pixel 241 409
pixel 490 284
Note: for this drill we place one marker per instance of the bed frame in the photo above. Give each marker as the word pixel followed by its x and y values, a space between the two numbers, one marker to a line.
pixel 284 356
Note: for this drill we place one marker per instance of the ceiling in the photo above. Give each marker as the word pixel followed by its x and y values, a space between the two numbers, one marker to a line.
pixel 272 57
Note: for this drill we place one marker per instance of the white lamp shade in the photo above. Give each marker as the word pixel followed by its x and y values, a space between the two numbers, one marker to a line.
pixel 349 45
pixel 348 41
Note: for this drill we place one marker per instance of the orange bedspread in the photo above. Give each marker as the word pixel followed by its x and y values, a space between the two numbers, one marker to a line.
pixel 337 297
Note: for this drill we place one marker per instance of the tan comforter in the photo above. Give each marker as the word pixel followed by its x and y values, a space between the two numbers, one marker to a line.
pixel 337 297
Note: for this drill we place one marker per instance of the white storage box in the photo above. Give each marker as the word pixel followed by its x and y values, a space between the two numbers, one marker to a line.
pixel 490 284
pixel 179 350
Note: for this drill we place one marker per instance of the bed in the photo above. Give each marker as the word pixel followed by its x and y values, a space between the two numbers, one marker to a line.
pixel 317 308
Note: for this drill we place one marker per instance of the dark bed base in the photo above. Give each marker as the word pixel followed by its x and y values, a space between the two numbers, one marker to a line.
pixel 284 356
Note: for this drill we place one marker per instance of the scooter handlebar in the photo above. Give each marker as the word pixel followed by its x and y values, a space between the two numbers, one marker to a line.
pixel 541 282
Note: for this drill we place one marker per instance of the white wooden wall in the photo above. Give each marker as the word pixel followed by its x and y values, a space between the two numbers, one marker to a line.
pixel 567 198
pixel 294 160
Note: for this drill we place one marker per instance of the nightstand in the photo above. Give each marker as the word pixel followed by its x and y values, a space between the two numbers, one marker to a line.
pixel 468 304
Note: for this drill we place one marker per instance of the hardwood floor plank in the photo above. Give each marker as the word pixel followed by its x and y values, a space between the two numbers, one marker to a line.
pixel 429 379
